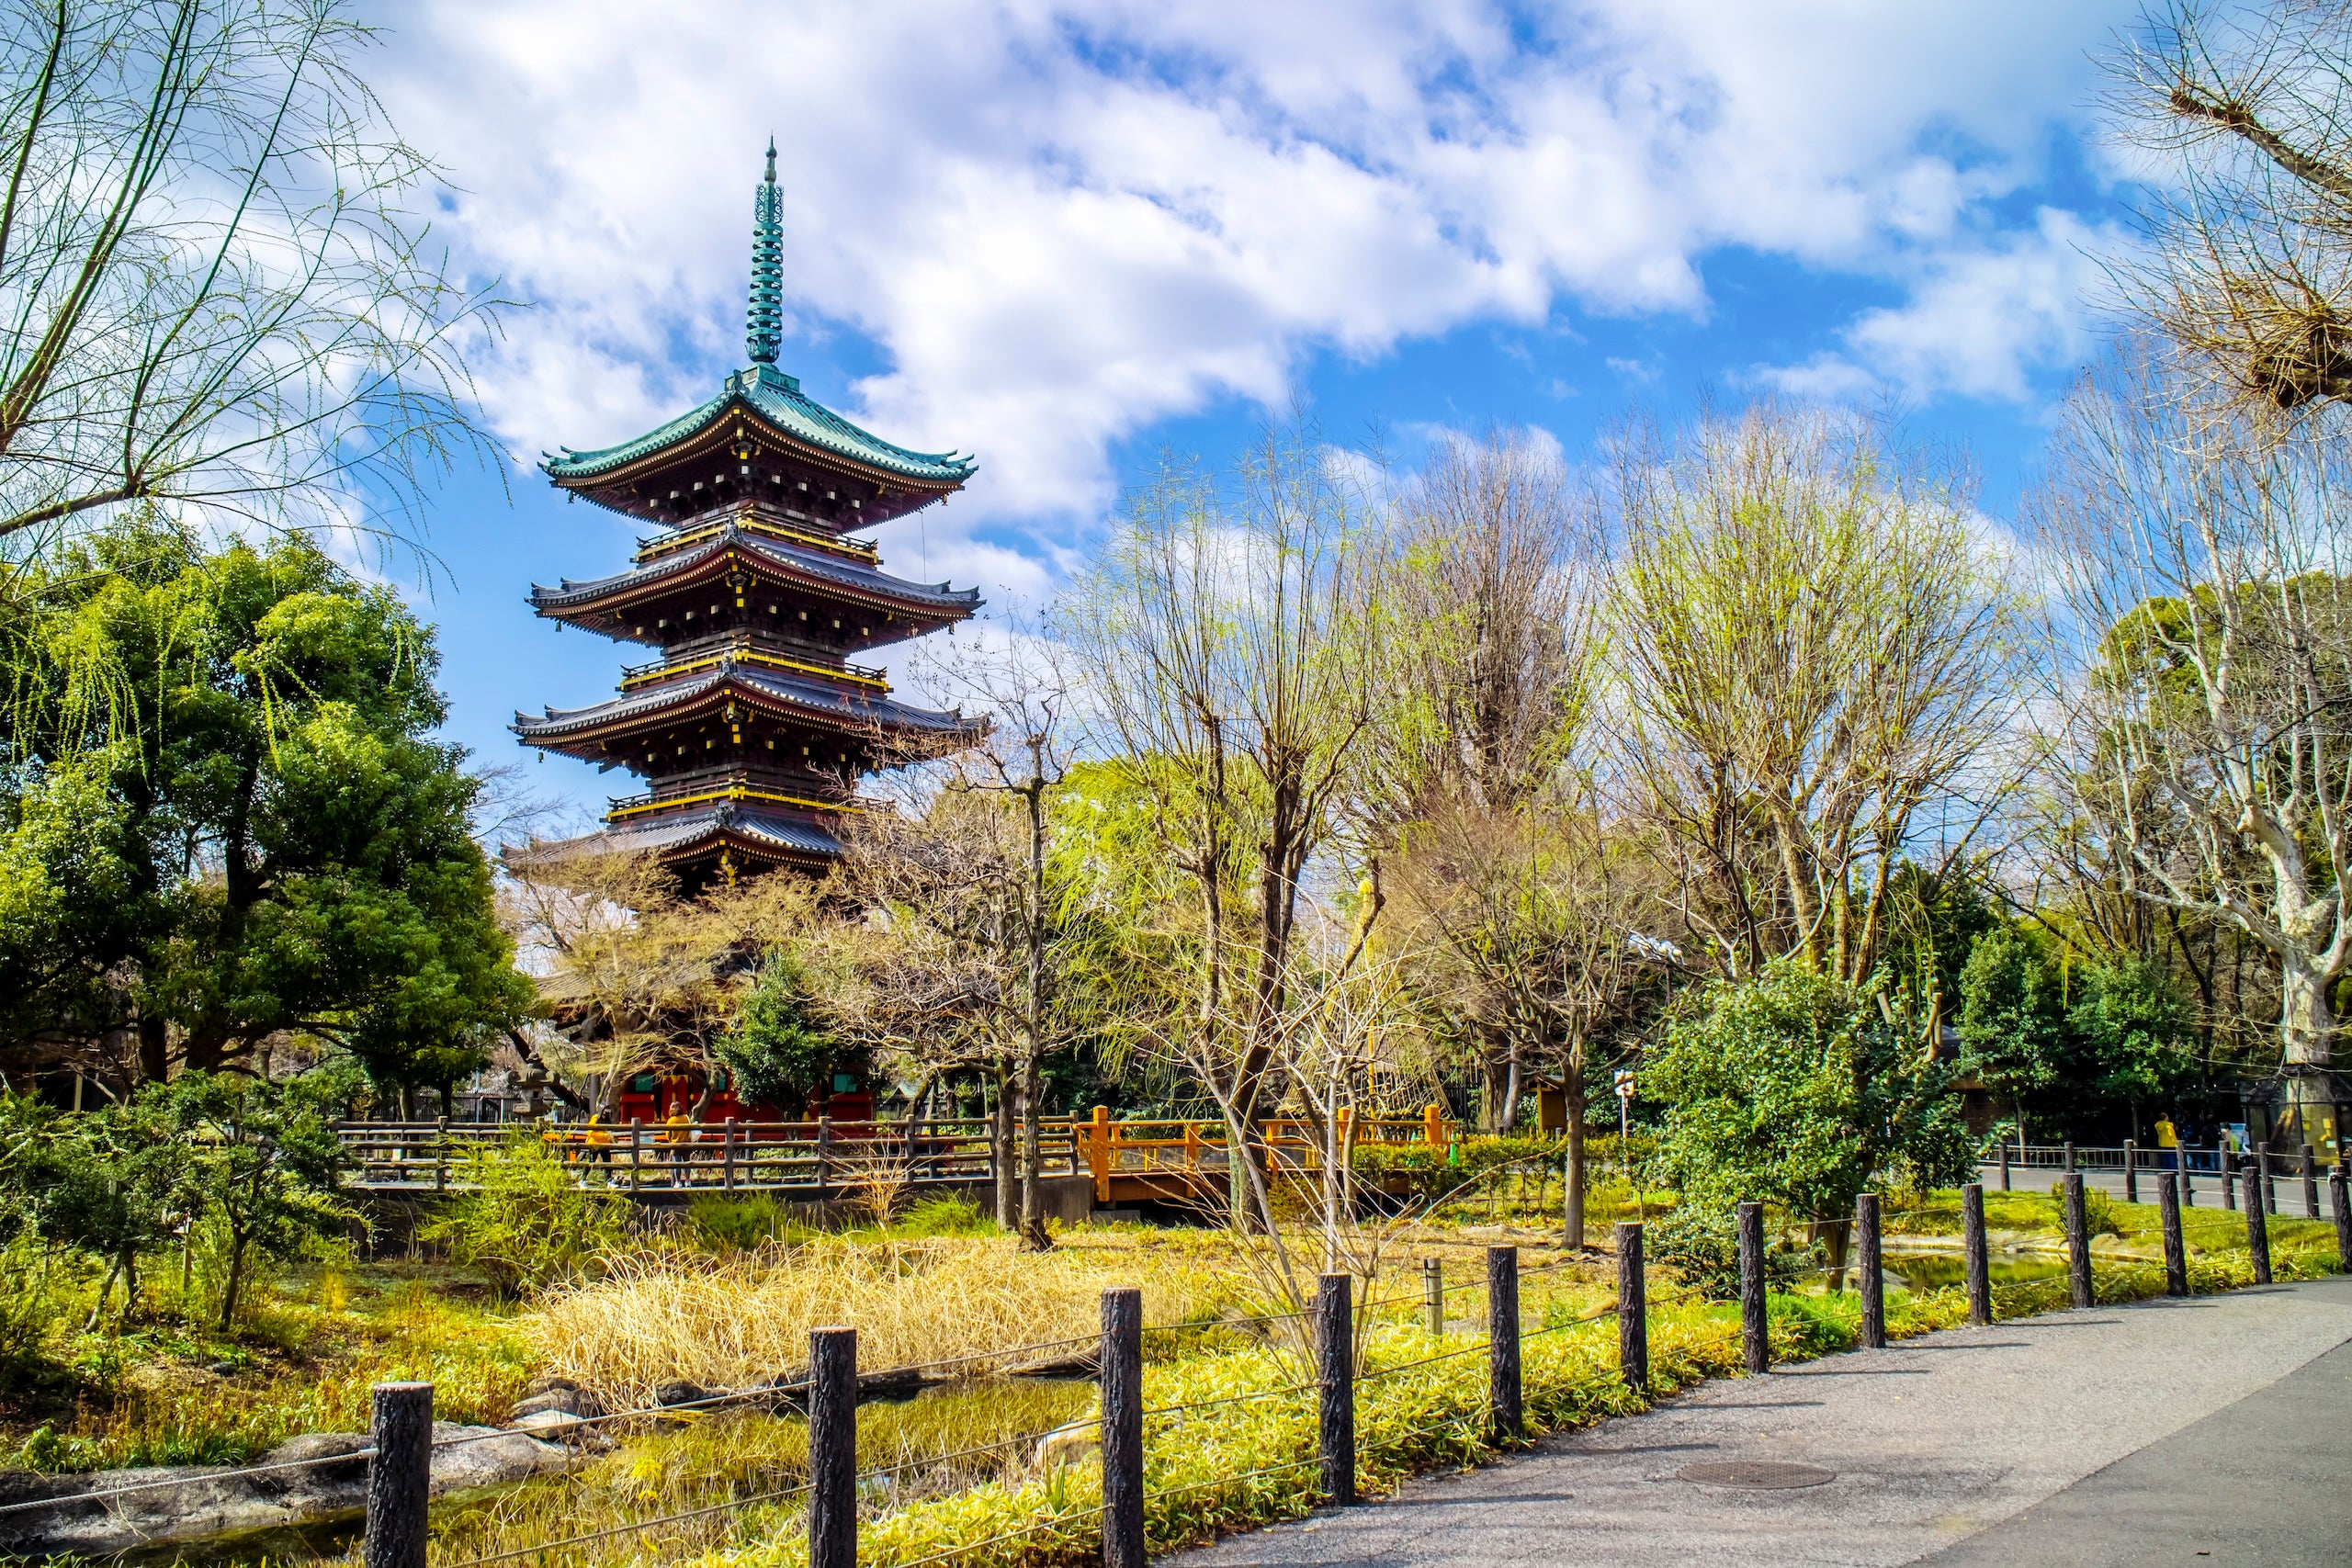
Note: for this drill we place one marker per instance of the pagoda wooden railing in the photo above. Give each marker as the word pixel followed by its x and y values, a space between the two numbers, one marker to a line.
pixel 655 800
pixel 744 515
pixel 743 653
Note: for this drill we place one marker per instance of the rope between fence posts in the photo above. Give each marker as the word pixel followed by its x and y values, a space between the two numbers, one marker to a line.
pixel 1018 1441
pixel 1232 1399
pixel 629 1529
pixel 1030 1529
pixel 1227 1481
pixel 1425 1360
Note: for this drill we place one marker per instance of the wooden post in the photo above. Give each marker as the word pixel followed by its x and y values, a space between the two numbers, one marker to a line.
pixel 2270 1184
pixel 1502 1342
pixel 1098 1151
pixel 441 1154
pixel 2187 1187
pixel 1123 1428
pixel 730 1136
pixel 2005 1164
pixel 2175 1248
pixel 2339 1200
pixel 1335 1386
pixel 2224 1160
pixel 1980 1269
pixel 1434 1295
pixel 399 1475
pixel 1755 1327
pixel 1870 1271
pixel 1433 1126
pixel 2311 1183
pixel 2257 1224
pixel 2078 1242
pixel 2070 1157
pixel 824 1155
pixel 832 1448
pixel 1191 1150
pixel 636 1151
pixel 1633 1310
pixel 2131 1170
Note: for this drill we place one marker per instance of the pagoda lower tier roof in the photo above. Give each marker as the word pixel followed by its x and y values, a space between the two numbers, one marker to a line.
pixel 809 569
pixel 804 699
pixel 770 397
pixel 701 831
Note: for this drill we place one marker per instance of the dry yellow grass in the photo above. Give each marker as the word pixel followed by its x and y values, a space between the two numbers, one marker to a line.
pixel 742 1322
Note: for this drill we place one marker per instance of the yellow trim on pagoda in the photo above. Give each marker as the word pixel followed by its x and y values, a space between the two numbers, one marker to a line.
pixel 732 792
pixel 750 656
pixel 748 520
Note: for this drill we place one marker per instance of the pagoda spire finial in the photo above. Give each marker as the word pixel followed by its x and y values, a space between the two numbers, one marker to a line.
pixel 764 328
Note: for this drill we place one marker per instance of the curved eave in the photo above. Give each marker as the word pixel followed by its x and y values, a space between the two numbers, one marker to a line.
pixel 694 835
pixel 784 566
pixel 578 731
pixel 781 414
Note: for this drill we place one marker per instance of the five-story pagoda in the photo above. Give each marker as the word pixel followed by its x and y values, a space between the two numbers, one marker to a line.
pixel 754 724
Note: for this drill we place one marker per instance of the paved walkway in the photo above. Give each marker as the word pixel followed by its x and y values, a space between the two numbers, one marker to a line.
pixel 2211 1431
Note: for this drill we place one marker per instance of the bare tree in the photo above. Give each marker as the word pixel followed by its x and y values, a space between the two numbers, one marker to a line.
pixel 2249 264
pixel 2202 552
pixel 1811 646
pixel 214 297
pixel 1224 652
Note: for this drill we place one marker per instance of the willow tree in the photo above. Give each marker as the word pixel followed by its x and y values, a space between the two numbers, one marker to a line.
pixel 2203 556
pixel 1812 648
pixel 215 296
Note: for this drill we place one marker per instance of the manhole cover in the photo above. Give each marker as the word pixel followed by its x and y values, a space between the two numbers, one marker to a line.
pixel 1760 1475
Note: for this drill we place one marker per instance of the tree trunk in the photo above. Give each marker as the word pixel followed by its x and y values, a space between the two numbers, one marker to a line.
pixel 1033 1216
pixel 1572 1098
pixel 2306 1025
pixel 1008 1215
pixel 154 1050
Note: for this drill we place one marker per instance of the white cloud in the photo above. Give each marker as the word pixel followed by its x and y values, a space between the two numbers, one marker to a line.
pixel 1060 222
pixel 1980 321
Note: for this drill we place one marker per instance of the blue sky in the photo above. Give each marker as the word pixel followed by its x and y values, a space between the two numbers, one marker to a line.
pixel 1069 236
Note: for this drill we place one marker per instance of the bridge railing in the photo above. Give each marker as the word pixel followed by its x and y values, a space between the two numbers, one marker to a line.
pixel 1157 1146
pixel 822 1157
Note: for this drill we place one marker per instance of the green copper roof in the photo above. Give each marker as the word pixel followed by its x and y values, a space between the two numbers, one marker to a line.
pixel 776 398
pixel 766 390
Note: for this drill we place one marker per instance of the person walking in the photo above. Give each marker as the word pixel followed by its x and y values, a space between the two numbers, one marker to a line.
pixel 2167 1144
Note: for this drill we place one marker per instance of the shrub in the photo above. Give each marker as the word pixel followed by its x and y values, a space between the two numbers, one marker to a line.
pixel 520 1219
pixel 2102 1212
pixel 744 1225
pixel 1702 1245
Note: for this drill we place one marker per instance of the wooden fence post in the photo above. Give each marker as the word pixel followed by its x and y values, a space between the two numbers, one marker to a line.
pixel 2078 1243
pixel 1633 1310
pixel 399 1475
pixel 2187 1188
pixel 636 1151
pixel 2005 1164
pixel 441 1154
pixel 1434 1295
pixel 1098 1151
pixel 2070 1157
pixel 730 1136
pixel 2257 1224
pixel 1335 1386
pixel 832 1448
pixel 1979 1264
pixel 2340 1200
pixel 1123 1428
pixel 824 1157
pixel 2311 1183
pixel 1755 1326
pixel 1871 1270
pixel 2175 1248
pixel 1502 1341
pixel 1433 1126
pixel 2226 1161
pixel 2131 1170
pixel 2269 1183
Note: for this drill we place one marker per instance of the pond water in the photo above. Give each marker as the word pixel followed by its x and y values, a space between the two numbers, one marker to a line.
pixel 1936 1270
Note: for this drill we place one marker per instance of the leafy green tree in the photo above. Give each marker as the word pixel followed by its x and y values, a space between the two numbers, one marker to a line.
pixel 2133 1031
pixel 265 1159
pixel 114 1184
pixel 224 817
pixel 520 1217
pixel 1792 1087
pixel 779 1050
pixel 2012 1021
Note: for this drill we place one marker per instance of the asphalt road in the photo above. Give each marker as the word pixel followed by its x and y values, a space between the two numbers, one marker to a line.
pixel 2209 1432
pixel 2206 1186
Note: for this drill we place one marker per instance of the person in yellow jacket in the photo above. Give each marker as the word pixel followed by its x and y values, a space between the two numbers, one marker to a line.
pixel 678 1132
pixel 597 1142
pixel 2167 1144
